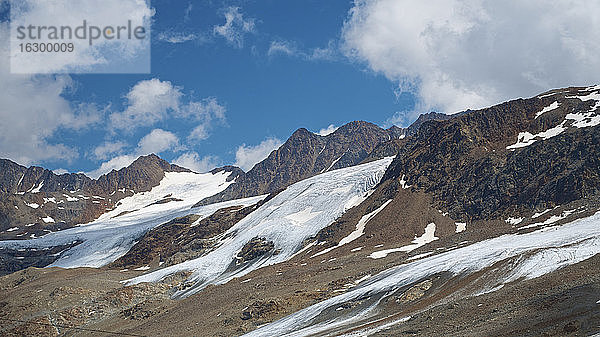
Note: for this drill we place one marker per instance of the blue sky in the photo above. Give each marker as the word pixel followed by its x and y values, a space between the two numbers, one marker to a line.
pixel 231 80
pixel 264 95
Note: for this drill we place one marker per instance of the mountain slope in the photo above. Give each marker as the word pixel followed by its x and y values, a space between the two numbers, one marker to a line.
pixel 35 201
pixel 304 155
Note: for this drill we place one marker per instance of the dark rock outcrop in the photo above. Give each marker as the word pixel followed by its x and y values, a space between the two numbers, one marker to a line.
pixel 306 154
pixel 466 165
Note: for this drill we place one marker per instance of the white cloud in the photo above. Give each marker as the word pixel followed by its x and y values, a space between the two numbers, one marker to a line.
pixel 60 171
pixel 107 149
pixel 247 156
pixel 148 102
pixel 329 53
pixel 115 163
pixel 151 101
pixel 157 141
pixel 235 27
pixel 473 53
pixel 188 12
pixel 192 161
pixel 328 130
pixel 33 110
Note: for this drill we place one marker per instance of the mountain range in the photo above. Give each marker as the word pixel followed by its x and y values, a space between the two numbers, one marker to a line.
pixel 480 223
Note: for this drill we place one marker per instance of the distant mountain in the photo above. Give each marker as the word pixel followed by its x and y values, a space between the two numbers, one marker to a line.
pixel 306 154
pixel 35 200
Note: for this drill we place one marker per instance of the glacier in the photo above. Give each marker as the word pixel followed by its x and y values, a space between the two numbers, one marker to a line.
pixel 539 252
pixel 114 233
pixel 295 214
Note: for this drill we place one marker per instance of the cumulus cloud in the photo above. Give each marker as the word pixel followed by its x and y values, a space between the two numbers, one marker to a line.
pixel 60 171
pixel 235 27
pixel 328 130
pixel 156 141
pixel 151 101
pixel 33 110
pixel 462 54
pixel 115 163
pixel 105 150
pixel 192 161
pixel 247 156
pixel 148 102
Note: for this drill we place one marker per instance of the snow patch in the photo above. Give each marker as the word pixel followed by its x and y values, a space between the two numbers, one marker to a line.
pixel 537 215
pixel 525 138
pixel 549 108
pixel 302 217
pixel 70 198
pixel 427 237
pixel 38 188
pixel 12 229
pixel 461 227
pixel 514 221
pixel 403 183
pixel 109 237
pixel 360 226
pixel 48 219
pixel 33 205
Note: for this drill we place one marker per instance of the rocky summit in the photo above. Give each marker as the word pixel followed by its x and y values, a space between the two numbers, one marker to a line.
pixel 481 223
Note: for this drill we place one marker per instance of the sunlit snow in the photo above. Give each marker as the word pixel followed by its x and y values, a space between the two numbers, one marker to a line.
pixel 315 201
pixel 115 232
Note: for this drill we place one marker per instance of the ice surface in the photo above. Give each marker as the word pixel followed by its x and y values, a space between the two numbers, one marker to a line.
pixel 540 252
pixel 111 236
pixel 297 213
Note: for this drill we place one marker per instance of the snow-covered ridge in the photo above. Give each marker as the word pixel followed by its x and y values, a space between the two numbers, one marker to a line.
pixel 297 213
pixel 115 232
pixel 540 252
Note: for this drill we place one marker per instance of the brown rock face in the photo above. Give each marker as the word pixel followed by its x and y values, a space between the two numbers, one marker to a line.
pixel 464 162
pixel 306 154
